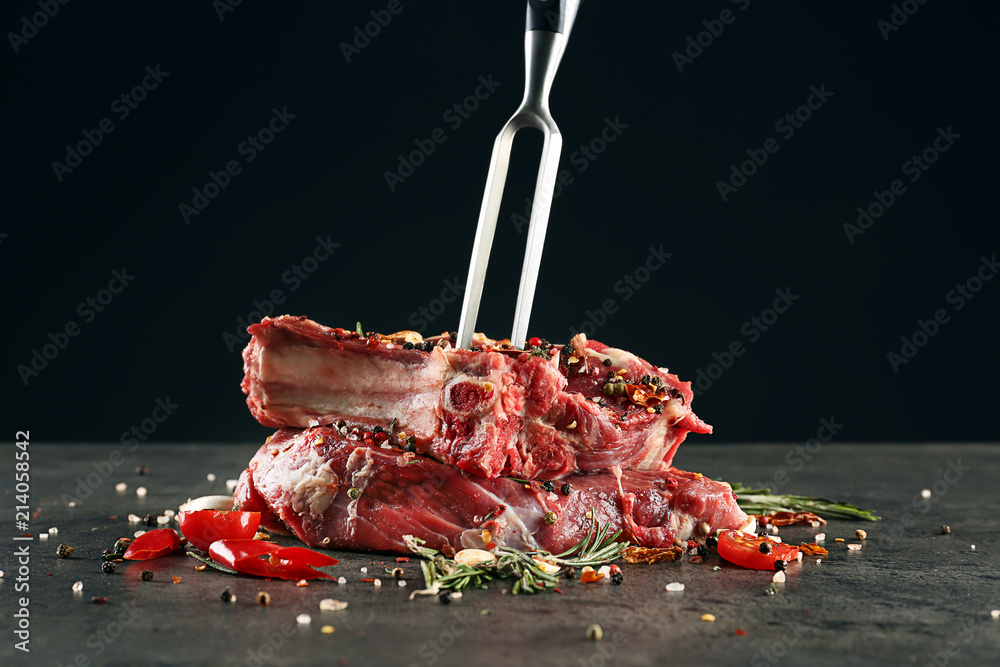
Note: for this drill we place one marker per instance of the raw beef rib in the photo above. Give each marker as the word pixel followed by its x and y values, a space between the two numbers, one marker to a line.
pixel 492 411
pixel 337 493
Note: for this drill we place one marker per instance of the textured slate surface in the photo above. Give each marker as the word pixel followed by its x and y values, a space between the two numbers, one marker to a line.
pixel 911 596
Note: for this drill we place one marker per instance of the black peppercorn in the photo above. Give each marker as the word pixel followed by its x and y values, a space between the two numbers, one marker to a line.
pixel 711 542
pixel 226 595
pixel 410 448
pixel 147 575
pixel 407 346
pixel 765 547
pixel 566 489
pixel 548 485
pixel 780 565
pixel 108 567
pixel 64 551
pixel 263 598
pixel 445 596
pixel 141 470
pixel 149 520
pixel 606 362
pixel 702 550
pixel 617 578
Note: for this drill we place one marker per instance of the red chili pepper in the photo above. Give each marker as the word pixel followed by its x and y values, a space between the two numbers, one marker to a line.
pixel 202 527
pixel 292 563
pixel 159 542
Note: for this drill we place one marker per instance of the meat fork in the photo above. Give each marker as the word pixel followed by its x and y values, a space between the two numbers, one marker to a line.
pixel 547 30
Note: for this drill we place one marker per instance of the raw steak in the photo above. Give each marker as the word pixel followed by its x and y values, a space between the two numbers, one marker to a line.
pixel 490 411
pixel 304 480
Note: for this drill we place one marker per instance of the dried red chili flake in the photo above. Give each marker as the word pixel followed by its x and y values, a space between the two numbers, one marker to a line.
pixel 367 581
pixel 403 559
pixel 97 600
pixel 557 591
pixel 740 632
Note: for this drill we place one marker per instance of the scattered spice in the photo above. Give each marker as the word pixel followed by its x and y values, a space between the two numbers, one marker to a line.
pixel 329 604
pixel 327 629
pixel 854 546
pixel 566 489
pixel 765 547
pixel 140 491
pixel 97 600
pixel 177 580
pixel 141 470
pixel 226 596
pixel 779 577
pixel 301 583
pixel 550 518
pixel 617 578
pixel 781 565
pixel 64 551
pixel 121 487
pixel 740 632
pixel 444 597
pixel 548 485
pixel 264 598
pixel 77 587
pixel 595 633
pixel 108 567
pixel 675 587
pixel 303 619
pixel 200 568
pixel 149 520
pixel 708 618
pixel 147 575
pixel 838 539
pixel 353 493
pixel 860 534
pixel 945 529
pixel 398 573
pixel 650 555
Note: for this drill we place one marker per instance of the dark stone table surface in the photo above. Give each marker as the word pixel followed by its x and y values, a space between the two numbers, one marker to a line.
pixel 910 596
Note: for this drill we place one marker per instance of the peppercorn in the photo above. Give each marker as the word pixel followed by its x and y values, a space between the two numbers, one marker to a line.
pixel 121 546
pixel 108 567
pixel 609 389
pixel 226 595
pixel 617 578
pixel 711 542
pixel 263 598
pixel 149 520
pixel 548 485
pixel 780 565
pixel 377 429
pixel 410 448
pixel 397 573
pixel 445 596
pixel 620 389
pixel 408 346
pixel 412 440
pixel 566 489
pixel 765 547
pixel 141 470
pixel 147 575
pixel 353 493
pixel 475 349
pixel 702 550
pixel 606 362
pixel 945 529
pixel 658 408
pixel 64 551
pixel 550 518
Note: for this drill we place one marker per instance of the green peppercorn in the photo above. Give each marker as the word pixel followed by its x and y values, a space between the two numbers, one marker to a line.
pixel 620 389
pixel 566 489
pixel 64 551
pixel 147 575
pixel 354 493
pixel 108 567
pixel 609 389
pixel 550 518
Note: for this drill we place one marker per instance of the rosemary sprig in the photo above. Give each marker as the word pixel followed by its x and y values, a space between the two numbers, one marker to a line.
pixel 596 548
pixel 762 501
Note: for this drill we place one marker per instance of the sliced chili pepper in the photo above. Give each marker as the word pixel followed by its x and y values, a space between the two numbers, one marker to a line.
pixel 202 527
pixel 153 544
pixel 266 559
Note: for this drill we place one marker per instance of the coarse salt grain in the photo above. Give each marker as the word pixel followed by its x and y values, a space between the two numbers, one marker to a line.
pixel 402 583
pixel 53 531
pixel 134 518
pixel 778 578
pixel 819 560
pixel 329 604
pixel 377 583
pixel 169 513
pixel 304 619
pixel 121 487
pixel 973 547
pixel 71 503
pixel 854 546
pixel 139 533
pixel 77 587
pixel 162 520
pixel 210 477
pixel 1 574
pixel 926 493
pixel 342 580
pixel 364 570
pixel 995 614
pixel 141 491
pixel 231 484
pixel 675 587
pixel 43 536
pixel 820 537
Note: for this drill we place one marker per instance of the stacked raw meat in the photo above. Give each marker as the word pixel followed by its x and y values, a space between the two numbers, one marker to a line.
pixel 384 436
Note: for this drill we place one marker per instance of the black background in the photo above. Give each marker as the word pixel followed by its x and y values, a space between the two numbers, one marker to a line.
pixel 324 176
